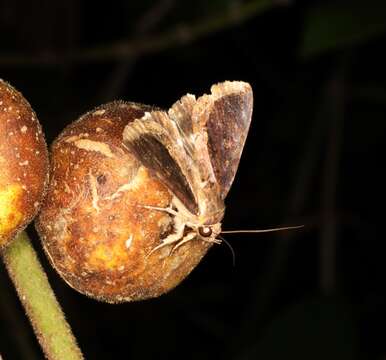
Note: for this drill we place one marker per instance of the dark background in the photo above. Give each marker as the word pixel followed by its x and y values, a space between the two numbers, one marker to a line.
pixel 313 157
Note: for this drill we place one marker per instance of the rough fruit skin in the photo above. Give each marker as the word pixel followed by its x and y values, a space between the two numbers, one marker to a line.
pixel 92 225
pixel 23 163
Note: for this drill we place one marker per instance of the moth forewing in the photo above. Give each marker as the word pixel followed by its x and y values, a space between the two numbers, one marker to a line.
pixel 181 114
pixel 153 139
pixel 223 119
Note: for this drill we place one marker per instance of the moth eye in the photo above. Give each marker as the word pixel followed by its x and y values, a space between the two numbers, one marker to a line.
pixel 205 231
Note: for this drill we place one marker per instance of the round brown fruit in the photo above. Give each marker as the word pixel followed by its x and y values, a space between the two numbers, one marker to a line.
pixel 93 225
pixel 23 163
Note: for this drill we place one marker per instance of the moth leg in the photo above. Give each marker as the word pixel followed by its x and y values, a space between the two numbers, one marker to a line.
pixel 184 240
pixel 213 241
pixel 170 239
pixel 168 210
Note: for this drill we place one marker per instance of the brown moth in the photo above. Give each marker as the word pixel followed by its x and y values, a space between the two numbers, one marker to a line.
pixel 194 149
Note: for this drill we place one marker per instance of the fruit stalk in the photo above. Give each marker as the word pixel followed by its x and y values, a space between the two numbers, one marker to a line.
pixel 40 304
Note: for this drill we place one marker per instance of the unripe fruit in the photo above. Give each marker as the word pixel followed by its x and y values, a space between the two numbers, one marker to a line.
pixel 23 162
pixel 93 225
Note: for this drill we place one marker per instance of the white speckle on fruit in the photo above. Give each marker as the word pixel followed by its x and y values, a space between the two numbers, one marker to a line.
pixel 129 241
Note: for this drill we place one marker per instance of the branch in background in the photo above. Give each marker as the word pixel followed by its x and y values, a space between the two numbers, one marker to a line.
pixel 179 35
pixel 328 235
pixel 124 67
pixel 38 299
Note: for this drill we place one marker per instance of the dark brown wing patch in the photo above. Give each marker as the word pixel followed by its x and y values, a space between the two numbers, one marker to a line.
pixel 152 140
pixel 227 127
pixel 154 156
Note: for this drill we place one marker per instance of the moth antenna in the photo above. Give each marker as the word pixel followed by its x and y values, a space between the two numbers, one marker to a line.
pixel 231 249
pixel 262 230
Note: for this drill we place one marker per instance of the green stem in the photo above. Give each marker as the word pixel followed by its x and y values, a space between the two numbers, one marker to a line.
pixel 31 283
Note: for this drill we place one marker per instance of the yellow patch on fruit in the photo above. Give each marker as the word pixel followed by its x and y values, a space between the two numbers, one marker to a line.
pixel 107 256
pixel 10 215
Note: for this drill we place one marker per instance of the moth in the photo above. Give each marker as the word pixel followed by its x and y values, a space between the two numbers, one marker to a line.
pixel 194 149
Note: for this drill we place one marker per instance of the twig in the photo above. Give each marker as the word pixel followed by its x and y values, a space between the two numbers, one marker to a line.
pixel 31 283
pixel 179 35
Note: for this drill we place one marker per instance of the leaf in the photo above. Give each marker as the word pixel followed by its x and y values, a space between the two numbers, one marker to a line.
pixel 336 25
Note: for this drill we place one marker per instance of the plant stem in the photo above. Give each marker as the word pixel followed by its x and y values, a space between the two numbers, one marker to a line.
pixel 43 310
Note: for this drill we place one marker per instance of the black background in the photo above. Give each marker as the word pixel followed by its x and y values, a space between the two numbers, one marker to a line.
pixel 313 156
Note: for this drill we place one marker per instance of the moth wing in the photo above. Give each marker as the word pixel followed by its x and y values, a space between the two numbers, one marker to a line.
pixel 181 113
pixel 156 142
pixel 224 118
